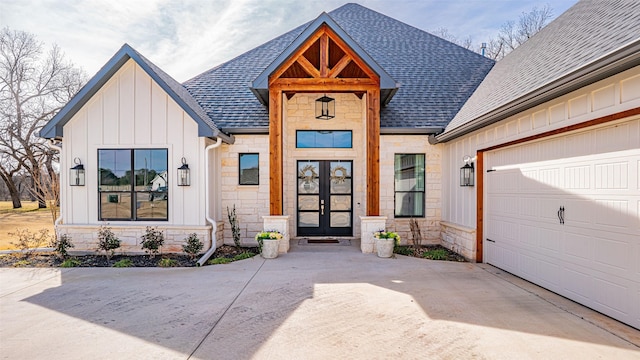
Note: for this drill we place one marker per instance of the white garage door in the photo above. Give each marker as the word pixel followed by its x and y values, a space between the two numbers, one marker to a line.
pixel 564 213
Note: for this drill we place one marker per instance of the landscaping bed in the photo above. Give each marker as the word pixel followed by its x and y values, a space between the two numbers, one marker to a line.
pixel 432 252
pixel 231 253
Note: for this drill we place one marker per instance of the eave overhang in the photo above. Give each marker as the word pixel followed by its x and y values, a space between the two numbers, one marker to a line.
pixel 608 65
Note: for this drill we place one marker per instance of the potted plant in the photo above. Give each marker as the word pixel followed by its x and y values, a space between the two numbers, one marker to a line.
pixel 385 242
pixel 268 243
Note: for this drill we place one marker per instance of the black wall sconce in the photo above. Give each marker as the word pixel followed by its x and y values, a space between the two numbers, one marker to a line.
pixel 325 108
pixel 184 177
pixel 467 172
pixel 76 173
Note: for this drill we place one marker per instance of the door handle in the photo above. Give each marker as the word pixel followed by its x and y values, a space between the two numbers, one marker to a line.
pixel 321 207
pixel 561 214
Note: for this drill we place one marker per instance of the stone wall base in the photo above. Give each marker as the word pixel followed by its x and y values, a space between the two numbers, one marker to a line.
pixel 281 224
pixel 459 239
pixel 85 237
pixel 368 226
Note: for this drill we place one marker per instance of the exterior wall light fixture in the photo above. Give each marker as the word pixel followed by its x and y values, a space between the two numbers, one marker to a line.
pixel 467 172
pixel 325 108
pixel 76 173
pixel 184 177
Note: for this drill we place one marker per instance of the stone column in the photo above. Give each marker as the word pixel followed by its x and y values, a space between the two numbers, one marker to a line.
pixel 368 226
pixel 281 224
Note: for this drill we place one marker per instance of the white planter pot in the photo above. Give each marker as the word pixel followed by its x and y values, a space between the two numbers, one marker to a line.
pixel 385 247
pixel 270 248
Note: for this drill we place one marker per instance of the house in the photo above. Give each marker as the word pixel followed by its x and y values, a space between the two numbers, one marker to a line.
pixel 356 122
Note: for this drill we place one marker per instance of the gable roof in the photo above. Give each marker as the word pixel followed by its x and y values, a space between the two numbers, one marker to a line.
pixel 206 127
pixel 589 42
pixel 260 85
pixel 436 76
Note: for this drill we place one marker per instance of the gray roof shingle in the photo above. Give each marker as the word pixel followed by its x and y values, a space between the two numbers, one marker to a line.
pixel 436 77
pixel 587 32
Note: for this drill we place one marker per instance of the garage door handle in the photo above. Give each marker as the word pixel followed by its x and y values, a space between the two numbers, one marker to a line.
pixel 561 214
pixel 489 240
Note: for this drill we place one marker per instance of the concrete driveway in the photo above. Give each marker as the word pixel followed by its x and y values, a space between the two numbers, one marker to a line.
pixel 316 302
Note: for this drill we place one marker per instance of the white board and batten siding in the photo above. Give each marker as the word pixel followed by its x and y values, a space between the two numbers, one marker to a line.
pixel 589 252
pixel 132 111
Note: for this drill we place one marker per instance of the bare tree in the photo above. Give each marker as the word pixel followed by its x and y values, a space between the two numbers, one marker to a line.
pixel 511 34
pixel 34 85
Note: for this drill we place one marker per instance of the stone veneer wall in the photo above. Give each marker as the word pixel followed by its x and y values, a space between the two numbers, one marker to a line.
pixel 85 237
pixel 251 201
pixel 412 144
pixel 459 239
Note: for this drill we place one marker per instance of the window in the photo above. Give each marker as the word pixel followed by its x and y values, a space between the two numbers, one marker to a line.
pixel 249 169
pixel 133 184
pixel 323 139
pixel 409 185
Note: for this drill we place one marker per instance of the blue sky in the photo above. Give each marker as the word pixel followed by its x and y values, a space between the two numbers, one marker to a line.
pixel 188 37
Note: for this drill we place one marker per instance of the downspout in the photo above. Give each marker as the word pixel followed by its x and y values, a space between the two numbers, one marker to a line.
pixel 211 221
pixel 52 145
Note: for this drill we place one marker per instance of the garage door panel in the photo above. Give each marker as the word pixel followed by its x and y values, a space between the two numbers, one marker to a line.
pixel 613 296
pixel 577 283
pixel 580 212
pixel 594 256
pixel 578 247
pixel 529 208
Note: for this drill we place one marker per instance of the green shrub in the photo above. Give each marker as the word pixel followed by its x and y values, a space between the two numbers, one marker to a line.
pixel 122 263
pixel 193 246
pixel 219 260
pixel 164 262
pixel 107 241
pixel 436 254
pixel 27 242
pixel 61 244
pixel 244 255
pixel 68 263
pixel 152 241
pixel 22 263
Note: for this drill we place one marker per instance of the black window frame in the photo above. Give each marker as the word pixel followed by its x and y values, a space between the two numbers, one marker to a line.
pixel 423 191
pixel 350 132
pixel 240 177
pixel 132 191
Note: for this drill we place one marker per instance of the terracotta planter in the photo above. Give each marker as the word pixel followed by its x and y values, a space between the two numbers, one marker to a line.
pixel 270 248
pixel 385 247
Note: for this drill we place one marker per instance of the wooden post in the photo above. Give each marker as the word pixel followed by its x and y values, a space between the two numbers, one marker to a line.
pixel 275 152
pixel 373 152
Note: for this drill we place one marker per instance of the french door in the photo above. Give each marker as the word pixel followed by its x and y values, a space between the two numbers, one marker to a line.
pixel 324 198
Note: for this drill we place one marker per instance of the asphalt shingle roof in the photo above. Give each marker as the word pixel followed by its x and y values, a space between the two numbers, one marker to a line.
pixel 586 32
pixel 436 76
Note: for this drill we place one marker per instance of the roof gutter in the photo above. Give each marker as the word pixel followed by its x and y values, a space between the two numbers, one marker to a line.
pixel 608 65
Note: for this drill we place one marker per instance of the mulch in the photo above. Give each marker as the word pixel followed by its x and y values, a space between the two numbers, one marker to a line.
pixel 420 251
pixel 51 260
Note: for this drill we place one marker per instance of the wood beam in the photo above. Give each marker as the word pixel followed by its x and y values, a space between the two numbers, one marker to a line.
pixel 308 67
pixel 335 71
pixel 373 152
pixel 324 55
pixel 275 152
pixel 298 53
pixel 347 50
pixel 317 83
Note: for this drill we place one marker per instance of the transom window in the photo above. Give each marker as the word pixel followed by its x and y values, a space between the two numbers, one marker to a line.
pixel 133 184
pixel 409 185
pixel 324 139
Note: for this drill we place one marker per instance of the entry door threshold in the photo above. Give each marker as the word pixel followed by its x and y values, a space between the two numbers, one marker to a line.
pixel 324 242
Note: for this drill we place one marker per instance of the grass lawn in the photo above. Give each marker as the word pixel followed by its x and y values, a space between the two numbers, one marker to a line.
pixel 29 216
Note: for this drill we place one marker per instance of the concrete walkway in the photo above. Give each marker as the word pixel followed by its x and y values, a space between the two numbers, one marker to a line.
pixel 316 302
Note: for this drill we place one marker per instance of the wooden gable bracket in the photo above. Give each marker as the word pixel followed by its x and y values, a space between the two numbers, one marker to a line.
pixel 324 63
